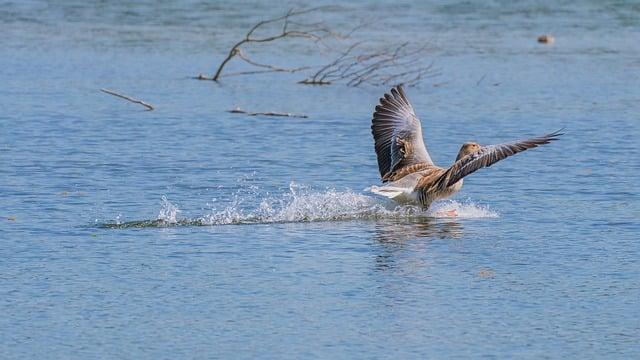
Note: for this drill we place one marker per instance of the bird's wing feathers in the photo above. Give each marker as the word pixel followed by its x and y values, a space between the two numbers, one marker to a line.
pixel 489 155
pixel 398 136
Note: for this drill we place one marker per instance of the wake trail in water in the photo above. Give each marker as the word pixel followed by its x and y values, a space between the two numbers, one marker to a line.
pixel 302 204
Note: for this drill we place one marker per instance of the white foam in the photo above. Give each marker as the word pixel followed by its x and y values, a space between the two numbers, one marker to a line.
pixel 302 204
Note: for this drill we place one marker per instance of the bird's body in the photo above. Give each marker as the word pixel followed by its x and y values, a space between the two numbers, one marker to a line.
pixel 417 187
pixel 409 174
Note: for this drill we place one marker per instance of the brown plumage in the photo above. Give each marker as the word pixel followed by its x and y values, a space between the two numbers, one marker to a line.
pixel 405 164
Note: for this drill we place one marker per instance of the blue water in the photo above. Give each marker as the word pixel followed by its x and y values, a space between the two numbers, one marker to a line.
pixel 191 232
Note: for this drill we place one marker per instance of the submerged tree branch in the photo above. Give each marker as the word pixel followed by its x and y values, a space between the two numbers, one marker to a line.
pixel 310 31
pixel 136 101
pixel 400 65
pixel 270 68
pixel 357 64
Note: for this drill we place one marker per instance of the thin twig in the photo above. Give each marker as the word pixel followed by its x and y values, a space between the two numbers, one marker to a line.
pixel 268 113
pixel 481 78
pixel 328 68
pixel 136 101
pixel 266 66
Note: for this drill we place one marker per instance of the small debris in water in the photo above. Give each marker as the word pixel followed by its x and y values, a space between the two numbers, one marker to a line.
pixel 238 110
pixel 546 39
pixel 486 273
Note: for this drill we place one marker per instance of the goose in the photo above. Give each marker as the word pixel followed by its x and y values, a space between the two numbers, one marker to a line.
pixel 406 169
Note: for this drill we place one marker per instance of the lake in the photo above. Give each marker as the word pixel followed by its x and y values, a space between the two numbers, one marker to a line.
pixel 192 232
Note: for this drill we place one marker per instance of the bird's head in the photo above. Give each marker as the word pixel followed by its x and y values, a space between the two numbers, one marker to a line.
pixel 467 148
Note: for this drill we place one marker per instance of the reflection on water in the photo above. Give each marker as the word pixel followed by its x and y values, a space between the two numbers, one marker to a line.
pixel 424 227
pixel 394 237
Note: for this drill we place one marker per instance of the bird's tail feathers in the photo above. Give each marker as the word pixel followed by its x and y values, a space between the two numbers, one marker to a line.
pixel 395 193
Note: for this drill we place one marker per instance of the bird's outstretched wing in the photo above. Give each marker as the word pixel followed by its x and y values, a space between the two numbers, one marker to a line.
pixel 397 133
pixel 489 155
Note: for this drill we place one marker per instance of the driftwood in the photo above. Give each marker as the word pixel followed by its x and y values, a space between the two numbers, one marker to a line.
pixel 357 65
pixel 130 99
pixel 268 113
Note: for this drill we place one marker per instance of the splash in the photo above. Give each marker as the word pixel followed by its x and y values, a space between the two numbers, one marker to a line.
pixel 168 212
pixel 463 210
pixel 302 204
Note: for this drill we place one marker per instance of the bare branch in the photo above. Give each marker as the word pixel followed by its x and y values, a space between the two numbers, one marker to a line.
pixel 315 32
pixel 402 64
pixel 136 101
pixel 327 69
pixel 270 67
pixel 354 65
pixel 268 113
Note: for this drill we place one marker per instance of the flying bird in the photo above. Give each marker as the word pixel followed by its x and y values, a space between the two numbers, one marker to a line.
pixel 406 169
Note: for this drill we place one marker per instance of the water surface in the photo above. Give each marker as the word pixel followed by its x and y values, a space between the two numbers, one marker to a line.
pixel 280 252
